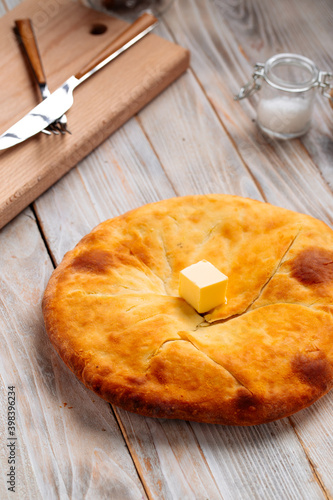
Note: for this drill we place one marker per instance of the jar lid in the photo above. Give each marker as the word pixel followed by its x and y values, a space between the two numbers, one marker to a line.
pixel 288 72
pixel 291 73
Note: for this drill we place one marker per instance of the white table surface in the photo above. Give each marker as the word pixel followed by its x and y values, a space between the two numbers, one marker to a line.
pixel 193 138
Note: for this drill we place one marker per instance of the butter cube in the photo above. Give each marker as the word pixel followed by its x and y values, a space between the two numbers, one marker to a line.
pixel 203 286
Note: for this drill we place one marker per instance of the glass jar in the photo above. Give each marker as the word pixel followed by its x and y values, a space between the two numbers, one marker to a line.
pixel 287 84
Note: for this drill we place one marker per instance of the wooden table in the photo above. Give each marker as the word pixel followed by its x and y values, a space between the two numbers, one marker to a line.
pixel 194 138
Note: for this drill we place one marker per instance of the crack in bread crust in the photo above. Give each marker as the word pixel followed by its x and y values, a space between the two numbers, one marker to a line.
pixel 167 262
pixel 283 258
pixel 184 339
pixel 204 324
pixel 219 364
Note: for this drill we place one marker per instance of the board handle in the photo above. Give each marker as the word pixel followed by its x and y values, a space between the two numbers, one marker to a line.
pixel 26 33
pixel 143 25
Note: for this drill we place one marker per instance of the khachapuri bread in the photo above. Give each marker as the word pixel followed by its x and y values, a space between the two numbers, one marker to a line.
pixel 113 312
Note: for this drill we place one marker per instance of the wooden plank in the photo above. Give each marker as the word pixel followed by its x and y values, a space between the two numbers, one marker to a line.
pixel 68 442
pixel 313 427
pixel 101 105
pixel 11 4
pixel 286 475
pixel 245 463
pixel 123 173
pixel 168 457
pixel 222 60
pixel 177 459
pixel 301 29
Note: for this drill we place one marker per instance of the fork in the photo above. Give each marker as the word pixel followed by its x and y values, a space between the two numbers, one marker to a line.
pixel 27 36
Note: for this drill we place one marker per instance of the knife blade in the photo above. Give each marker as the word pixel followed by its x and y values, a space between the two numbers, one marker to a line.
pixel 62 99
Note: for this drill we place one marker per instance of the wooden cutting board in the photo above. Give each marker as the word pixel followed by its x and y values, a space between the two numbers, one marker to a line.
pixel 101 104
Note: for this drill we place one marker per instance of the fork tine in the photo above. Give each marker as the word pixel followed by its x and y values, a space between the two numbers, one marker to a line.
pixel 64 129
pixel 56 128
pixel 52 128
pixel 59 125
pixel 62 122
pixel 46 131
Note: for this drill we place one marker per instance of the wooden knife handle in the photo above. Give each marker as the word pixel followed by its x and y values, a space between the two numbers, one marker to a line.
pixel 142 23
pixel 25 30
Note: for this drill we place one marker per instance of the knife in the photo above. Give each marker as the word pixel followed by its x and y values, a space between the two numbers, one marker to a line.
pixel 61 99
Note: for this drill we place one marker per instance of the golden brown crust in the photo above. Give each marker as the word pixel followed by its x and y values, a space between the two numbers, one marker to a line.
pixel 112 311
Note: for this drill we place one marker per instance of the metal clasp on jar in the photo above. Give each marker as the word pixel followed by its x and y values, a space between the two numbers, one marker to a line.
pixel 325 85
pixel 253 85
